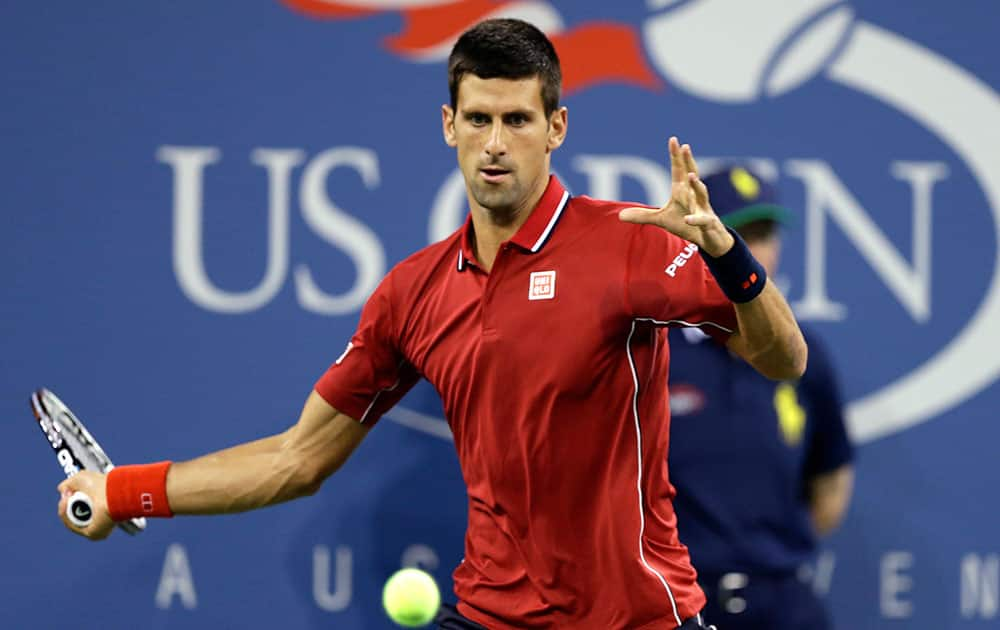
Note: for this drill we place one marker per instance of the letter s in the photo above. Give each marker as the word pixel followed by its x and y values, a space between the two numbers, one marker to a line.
pixel 340 229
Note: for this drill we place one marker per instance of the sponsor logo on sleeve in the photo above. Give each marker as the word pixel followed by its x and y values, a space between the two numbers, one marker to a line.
pixel 681 259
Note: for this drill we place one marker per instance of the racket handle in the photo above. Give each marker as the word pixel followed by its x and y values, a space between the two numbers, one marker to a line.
pixel 79 509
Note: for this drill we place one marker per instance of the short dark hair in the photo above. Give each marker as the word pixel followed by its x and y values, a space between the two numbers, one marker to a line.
pixel 506 48
pixel 759 230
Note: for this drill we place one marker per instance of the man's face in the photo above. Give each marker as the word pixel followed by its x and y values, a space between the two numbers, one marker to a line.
pixel 764 240
pixel 504 141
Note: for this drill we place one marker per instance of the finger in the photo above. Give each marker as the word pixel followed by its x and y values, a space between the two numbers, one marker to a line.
pixel 677 171
pixel 61 511
pixel 689 164
pixel 700 190
pixel 690 199
pixel 101 535
pixel 699 220
pixel 638 215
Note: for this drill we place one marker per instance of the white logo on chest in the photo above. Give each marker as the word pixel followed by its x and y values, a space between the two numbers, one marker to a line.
pixel 681 259
pixel 542 285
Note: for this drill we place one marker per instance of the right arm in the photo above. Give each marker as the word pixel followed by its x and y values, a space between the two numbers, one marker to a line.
pixel 282 467
pixel 828 469
pixel 368 379
pixel 829 497
pixel 256 474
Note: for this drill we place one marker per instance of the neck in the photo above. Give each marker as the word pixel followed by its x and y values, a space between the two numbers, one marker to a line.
pixel 493 228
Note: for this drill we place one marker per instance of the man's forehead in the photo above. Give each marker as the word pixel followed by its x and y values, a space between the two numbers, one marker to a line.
pixel 498 94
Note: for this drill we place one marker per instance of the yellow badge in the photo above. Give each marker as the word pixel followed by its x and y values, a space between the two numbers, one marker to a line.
pixel 744 183
pixel 791 415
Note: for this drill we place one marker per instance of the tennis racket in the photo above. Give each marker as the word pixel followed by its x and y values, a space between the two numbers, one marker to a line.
pixel 76 450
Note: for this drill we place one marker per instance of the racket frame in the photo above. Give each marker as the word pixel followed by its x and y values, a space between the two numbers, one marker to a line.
pixel 54 418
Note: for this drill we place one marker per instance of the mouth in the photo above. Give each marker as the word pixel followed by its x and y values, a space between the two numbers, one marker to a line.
pixel 494 174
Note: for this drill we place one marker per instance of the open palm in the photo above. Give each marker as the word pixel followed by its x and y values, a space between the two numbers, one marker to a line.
pixel 687 213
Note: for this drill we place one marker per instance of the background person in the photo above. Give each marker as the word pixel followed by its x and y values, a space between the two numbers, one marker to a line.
pixel 761 467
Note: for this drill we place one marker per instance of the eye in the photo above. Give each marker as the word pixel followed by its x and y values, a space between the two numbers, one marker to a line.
pixel 517 120
pixel 479 120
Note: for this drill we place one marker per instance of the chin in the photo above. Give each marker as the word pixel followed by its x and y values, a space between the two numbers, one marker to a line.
pixel 500 203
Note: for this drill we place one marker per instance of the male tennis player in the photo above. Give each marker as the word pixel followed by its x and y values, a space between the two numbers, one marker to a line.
pixel 761 467
pixel 541 323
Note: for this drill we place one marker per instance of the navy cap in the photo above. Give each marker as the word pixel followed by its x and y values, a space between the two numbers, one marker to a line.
pixel 739 196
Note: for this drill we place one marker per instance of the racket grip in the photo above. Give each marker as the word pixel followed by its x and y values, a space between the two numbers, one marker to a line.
pixel 79 509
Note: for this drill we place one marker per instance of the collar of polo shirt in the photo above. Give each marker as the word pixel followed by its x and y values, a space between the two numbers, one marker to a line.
pixel 535 232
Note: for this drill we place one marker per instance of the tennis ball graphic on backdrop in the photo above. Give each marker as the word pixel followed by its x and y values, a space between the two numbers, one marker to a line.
pixel 735 51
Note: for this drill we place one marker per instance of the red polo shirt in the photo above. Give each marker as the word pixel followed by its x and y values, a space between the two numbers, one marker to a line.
pixel 553 370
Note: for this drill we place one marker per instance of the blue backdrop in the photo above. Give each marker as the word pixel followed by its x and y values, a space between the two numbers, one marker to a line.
pixel 197 197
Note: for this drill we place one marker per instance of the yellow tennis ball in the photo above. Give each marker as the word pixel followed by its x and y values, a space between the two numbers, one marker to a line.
pixel 411 598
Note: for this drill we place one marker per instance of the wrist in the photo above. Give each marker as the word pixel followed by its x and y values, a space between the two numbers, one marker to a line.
pixel 720 243
pixel 740 276
pixel 141 490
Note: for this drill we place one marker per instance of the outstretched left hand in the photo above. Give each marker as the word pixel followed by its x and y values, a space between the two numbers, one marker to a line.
pixel 687 213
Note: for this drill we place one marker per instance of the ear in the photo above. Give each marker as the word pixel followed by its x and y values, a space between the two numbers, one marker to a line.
pixel 558 125
pixel 448 125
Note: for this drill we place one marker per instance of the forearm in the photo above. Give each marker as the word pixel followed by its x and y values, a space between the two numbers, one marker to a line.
pixel 238 479
pixel 268 471
pixel 769 337
pixel 829 496
pixel 263 445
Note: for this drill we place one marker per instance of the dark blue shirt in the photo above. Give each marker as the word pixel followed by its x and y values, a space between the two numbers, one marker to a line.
pixel 742 451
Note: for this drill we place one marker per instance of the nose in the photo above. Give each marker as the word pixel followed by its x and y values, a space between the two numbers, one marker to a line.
pixel 496 145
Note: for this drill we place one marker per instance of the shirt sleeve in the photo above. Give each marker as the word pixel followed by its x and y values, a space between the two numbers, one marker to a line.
pixel 371 375
pixel 668 283
pixel 830 447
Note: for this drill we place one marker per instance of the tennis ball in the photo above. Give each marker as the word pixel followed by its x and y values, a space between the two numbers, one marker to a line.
pixel 411 598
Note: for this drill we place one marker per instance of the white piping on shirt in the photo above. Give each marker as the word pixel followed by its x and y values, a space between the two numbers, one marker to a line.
pixel 638 440
pixel 552 222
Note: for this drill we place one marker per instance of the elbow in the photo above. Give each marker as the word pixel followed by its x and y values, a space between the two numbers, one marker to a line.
pixel 795 358
pixel 798 359
pixel 779 356
pixel 294 478
pixel 309 478
pixel 302 475
pixel 309 473
pixel 784 363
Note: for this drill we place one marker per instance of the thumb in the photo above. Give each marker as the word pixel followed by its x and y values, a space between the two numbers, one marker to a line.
pixel 638 215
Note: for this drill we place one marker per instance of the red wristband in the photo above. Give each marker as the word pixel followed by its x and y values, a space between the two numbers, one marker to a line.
pixel 134 491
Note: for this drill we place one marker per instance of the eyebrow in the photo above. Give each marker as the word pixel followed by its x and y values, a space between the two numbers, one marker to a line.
pixel 469 113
